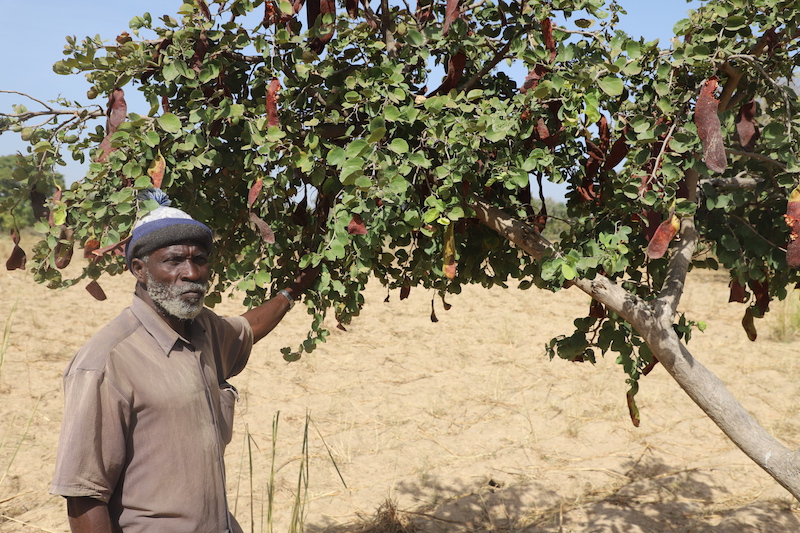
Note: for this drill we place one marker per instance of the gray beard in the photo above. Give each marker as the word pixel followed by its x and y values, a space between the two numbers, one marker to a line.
pixel 168 298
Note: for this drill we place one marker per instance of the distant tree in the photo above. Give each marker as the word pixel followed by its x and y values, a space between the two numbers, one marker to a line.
pixel 675 158
pixel 15 206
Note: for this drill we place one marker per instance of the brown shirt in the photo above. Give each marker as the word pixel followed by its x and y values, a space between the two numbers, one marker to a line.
pixel 145 423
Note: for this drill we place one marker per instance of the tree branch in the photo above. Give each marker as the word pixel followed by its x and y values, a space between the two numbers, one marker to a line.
pixel 666 304
pixel 516 231
pixel 49 110
pixel 732 183
pixel 490 64
pixel 711 395
pixel 388 36
pixel 760 157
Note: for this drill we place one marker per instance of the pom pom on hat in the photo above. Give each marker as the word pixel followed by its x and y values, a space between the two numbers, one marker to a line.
pixel 164 226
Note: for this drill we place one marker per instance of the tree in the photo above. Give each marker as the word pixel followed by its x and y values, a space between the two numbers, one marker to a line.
pixel 16 209
pixel 338 146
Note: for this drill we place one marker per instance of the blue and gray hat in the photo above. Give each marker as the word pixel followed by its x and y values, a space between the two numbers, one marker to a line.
pixel 164 226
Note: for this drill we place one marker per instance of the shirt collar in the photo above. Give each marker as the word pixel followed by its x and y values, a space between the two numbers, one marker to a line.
pixel 165 336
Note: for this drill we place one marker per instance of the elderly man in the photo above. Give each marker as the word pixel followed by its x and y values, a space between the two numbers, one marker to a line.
pixel 148 410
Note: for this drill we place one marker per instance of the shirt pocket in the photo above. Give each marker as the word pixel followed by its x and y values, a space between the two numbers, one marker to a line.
pixel 228 396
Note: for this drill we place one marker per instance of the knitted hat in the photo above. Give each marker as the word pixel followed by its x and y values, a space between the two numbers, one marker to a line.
pixel 164 226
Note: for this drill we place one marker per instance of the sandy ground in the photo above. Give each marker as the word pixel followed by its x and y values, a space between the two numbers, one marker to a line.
pixel 461 425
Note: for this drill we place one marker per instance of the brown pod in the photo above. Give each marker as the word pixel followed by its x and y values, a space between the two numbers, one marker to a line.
pixel 96 291
pixel 749 325
pixel 89 247
pixel 405 290
pixel 17 258
pixel 792 218
pixel 665 232
pixel 597 310
pixel 737 292
pixel 449 259
pixel 356 226
pixel 62 253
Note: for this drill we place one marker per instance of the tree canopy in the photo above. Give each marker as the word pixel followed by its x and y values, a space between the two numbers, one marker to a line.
pixel 336 143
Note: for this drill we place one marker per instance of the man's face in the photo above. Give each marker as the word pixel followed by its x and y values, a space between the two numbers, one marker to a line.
pixel 176 278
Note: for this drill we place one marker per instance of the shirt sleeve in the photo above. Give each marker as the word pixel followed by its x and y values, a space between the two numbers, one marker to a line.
pixel 92 444
pixel 233 339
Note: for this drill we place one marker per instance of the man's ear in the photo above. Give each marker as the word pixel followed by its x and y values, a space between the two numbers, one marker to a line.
pixel 139 270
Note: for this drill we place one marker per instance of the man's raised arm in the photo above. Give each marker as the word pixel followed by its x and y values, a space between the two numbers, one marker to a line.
pixel 266 316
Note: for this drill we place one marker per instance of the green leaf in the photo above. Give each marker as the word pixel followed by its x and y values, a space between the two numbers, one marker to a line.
pixel 336 156
pixel 611 85
pixel 169 122
pixel 356 148
pixel 415 38
pixel 391 113
pixel 376 135
pixel 495 135
pixel 351 170
pixel 151 139
pixel 398 146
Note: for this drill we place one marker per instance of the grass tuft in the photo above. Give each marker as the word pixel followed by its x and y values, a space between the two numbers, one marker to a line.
pixel 7 333
pixel 785 324
pixel 388 520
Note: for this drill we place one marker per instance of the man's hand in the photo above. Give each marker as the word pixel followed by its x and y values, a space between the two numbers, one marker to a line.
pixel 266 316
pixel 303 281
pixel 88 515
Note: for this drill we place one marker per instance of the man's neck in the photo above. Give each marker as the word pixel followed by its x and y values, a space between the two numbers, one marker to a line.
pixel 180 325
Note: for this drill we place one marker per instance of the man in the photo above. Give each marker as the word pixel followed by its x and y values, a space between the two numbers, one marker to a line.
pixel 148 411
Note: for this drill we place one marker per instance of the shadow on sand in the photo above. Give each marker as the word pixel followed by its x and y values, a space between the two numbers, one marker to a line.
pixel 650 497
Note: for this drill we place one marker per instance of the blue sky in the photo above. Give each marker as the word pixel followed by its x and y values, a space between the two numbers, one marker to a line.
pixel 33 35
